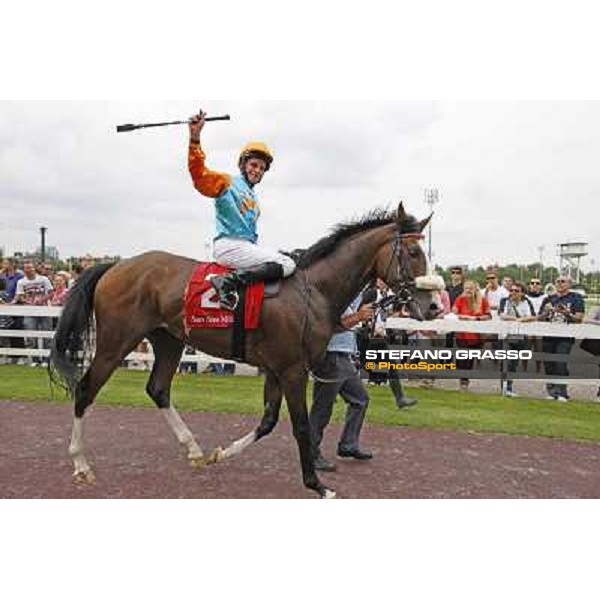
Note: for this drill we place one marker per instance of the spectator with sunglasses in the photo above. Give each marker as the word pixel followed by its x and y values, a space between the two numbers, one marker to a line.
pixel 455 290
pixel 457 283
pixel 535 294
pixel 494 292
pixel 517 307
pixel 565 306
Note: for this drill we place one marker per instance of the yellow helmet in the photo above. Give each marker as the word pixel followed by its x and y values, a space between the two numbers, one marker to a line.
pixel 256 150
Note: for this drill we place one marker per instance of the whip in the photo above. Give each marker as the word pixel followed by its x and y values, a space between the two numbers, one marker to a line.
pixel 132 127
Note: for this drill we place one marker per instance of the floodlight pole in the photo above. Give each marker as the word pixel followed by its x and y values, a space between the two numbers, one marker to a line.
pixel 541 274
pixel 432 197
pixel 43 243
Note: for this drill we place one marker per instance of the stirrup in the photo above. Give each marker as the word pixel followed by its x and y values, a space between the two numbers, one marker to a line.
pixel 230 301
pixel 226 290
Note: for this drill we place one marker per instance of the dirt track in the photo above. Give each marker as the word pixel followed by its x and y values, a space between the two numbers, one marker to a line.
pixel 136 456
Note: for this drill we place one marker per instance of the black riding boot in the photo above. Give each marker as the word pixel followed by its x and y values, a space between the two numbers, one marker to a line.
pixel 227 285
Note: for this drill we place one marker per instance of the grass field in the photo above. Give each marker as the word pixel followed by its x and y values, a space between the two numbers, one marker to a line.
pixel 437 409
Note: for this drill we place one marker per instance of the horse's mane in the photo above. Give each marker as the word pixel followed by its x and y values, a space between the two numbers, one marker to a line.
pixel 342 231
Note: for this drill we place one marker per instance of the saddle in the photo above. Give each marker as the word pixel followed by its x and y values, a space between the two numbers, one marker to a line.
pixel 203 310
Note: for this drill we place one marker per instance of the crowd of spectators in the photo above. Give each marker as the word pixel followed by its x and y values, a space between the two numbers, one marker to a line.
pixel 32 284
pixel 515 301
pixel 500 298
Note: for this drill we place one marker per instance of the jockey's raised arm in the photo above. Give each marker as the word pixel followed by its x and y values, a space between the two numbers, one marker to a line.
pixel 208 183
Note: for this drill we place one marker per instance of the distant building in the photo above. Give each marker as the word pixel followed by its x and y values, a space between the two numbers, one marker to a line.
pixel 51 253
pixel 89 261
pixel 570 255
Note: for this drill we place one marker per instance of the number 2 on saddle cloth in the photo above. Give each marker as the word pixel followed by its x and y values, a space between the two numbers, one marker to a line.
pixel 203 311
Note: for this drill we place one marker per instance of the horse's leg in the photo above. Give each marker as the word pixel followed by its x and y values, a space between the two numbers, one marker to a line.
pixel 109 354
pixel 167 354
pixel 294 387
pixel 273 395
pixel 272 399
pixel 82 472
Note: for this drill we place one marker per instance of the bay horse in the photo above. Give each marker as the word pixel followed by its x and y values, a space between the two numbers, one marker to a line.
pixel 142 297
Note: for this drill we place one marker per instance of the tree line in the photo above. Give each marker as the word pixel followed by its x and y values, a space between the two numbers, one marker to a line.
pixel 590 281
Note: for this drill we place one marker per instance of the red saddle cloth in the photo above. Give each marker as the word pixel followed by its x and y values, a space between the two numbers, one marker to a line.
pixel 202 308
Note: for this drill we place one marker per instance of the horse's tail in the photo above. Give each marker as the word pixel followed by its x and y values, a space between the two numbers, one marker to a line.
pixel 67 356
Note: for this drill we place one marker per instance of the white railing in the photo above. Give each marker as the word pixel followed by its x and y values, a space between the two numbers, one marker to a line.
pixel 18 310
pixel 21 310
pixel 451 324
pixel 496 326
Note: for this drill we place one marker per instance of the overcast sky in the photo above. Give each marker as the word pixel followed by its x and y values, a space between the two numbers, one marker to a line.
pixel 512 176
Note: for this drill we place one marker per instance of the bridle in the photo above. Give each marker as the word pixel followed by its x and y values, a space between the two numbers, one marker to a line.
pixel 406 284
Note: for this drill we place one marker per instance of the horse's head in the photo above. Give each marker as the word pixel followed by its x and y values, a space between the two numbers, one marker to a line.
pixel 402 264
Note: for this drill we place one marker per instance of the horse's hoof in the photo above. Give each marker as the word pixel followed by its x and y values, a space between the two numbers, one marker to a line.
pixel 215 456
pixel 84 477
pixel 329 495
pixel 198 462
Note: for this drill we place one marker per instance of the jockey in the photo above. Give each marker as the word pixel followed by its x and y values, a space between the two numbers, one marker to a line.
pixel 237 211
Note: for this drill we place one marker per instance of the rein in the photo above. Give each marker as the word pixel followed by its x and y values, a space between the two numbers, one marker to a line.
pixel 305 292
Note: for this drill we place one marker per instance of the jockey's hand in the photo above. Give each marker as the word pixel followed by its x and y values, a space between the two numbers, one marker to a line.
pixel 196 125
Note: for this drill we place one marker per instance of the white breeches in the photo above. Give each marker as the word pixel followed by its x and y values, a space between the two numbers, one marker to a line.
pixel 242 254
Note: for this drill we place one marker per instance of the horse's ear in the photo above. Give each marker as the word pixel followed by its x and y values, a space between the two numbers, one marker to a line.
pixel 401 215
pixel 425 222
